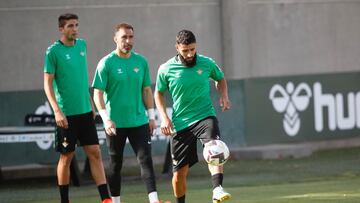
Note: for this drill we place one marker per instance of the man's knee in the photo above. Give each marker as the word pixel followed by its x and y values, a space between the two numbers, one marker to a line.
pixel 65 159
pixel 93 152
pixel 180 175
pixel 115 163
pixel 145 160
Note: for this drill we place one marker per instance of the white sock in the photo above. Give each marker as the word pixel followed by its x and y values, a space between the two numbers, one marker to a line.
pixel 115 199
pixel 153 197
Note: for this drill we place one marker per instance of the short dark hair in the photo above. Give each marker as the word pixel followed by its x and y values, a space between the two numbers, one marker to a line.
pixel 123 26
pixel 65 17
pixel 185 37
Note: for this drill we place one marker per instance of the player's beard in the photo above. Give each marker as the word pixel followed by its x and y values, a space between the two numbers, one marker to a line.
pixel 187 63
pixel 126 49
pixel 71 37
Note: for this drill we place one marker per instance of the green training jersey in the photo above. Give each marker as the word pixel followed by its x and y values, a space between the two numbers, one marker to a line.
pixel 69 66
pixel 123 80
pixel 189 88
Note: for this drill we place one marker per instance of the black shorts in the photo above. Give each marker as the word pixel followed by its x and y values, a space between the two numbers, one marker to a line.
pixel 139 138
pixel 81 131
pixel 184 142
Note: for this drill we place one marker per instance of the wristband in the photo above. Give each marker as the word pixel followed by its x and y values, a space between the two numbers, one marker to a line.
pixel 151 114
pixel 104 115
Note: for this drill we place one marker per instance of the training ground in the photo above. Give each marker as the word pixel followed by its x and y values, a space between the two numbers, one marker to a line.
pixel 325 176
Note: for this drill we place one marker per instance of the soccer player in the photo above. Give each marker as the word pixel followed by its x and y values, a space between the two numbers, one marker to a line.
pixel 66 87
pixel 186 77
pixel 123 96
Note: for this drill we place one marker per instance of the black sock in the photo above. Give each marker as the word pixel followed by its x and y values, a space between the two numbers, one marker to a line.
pixel 217 180
pixel 103 191
pixel 64 193
pixel 180 199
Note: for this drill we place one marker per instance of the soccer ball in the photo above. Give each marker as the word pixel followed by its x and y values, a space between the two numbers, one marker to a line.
pixel 216 152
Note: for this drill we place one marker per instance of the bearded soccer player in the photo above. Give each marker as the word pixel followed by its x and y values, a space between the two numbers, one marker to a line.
pixel 123 96
pixel 66 87
pixel 186 77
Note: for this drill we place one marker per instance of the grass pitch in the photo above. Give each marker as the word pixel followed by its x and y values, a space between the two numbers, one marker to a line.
pixel 328 176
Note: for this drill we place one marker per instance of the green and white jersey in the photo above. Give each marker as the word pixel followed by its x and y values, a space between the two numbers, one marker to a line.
pixel 189 88
pixel 123 80
pixel 69 66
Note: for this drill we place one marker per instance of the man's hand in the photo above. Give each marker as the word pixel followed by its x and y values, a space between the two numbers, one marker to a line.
pixel 225 103
pixel 166 127
pixel 110 127
pixel 61 119
pixel 152 126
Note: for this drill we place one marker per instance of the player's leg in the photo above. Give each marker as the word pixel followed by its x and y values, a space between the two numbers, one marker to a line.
pixel 179 183
pixel 63 175
pixel 96 165
pixel 116 145
pixel 88 138
pixel 219 194
pixel 206 130
pixel 184 155
pixel 65 141
pixel 216 175
pixel 97 171
pixel 140 140
pixel 63 168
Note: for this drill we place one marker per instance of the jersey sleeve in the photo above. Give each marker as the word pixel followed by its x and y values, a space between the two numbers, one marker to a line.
pixel 215 73
pixel 147 80
pixel 161 81
pixel 101 76
pixel 50 62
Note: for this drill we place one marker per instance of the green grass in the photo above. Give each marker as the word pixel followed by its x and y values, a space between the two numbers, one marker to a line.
pixel 328 176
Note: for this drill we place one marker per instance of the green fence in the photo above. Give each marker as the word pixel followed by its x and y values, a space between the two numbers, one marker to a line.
pixel 264 111
pixel 302 108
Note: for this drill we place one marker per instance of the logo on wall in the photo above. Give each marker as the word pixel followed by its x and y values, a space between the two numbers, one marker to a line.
pixel 339 111
pixel 44 109
pixel 290 101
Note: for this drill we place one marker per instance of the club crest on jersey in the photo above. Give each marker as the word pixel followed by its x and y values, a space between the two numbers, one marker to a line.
pixel 119 71
pixel 199 71
pixel 67 56
pixel 136 69
pixel 82 53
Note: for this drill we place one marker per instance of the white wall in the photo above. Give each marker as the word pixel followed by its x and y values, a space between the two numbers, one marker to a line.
pixel 29 27
pixel 248 38
pixel 290 37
